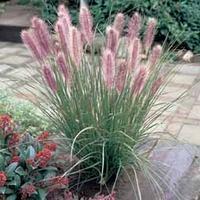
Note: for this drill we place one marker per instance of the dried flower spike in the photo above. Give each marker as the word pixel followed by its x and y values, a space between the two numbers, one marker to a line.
pixel 48 76
pixel 86 23
pixel 112 39
pixel 108 64
pixel 119 22
pixel 149 34
pixel 134 26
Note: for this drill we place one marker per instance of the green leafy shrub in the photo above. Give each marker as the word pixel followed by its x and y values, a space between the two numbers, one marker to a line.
pixel 177 20
pixel 30 168
pixel 35 168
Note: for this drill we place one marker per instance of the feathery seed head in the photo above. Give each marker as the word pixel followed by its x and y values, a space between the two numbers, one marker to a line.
pixel 49 78
pixel 112 39
pixel 64 68
pixel 155 56
pixel 41 32
pixel 149 34
pixel 121 77
pixel 119 22
pixel 86 23
pixel 76 47
pixel 134 26
pixel 134 54
pixel 108 66
pixel 139 82
pixel 31 43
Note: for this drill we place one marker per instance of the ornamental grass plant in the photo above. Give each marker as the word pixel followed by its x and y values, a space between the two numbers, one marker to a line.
pixel 101 101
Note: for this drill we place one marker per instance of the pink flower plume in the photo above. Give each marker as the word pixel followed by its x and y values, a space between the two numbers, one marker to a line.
pixel 139 81
pixel 31 43
pixel 64 68
pixel 121 77
pixel 112 39
pixel 76 47
pixel 63 14
pixel 134 54
pixel 155 56
pixel 149 34
pixel 108 67
pixel 49 78
pixel 63 35
pixel 86 23
pixel 119 22
pixel 134 26
pixel 40 30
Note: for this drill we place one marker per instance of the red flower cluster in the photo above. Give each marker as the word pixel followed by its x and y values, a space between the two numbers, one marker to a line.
pixel 43 136
pixel 14 139
pixel 15 159
pixel 6 123
pixel 43 157
pixel 50 146
pixel 27 191
pixel 3 179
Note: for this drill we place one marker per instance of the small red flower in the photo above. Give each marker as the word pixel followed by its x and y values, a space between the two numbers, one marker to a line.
pixel 3 178
pixel 43 157
pixel 14 139
pixel 61 180
pixel 43 136
pixel 51 146
pixel 27 191
pixel 15 159
pixel 6 123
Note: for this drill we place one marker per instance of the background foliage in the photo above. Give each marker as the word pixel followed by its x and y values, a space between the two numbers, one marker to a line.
pixel 179 20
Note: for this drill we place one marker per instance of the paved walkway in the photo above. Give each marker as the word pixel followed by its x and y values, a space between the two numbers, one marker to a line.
pixel 182 121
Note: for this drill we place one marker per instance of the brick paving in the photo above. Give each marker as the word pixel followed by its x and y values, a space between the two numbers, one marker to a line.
pixel 182 121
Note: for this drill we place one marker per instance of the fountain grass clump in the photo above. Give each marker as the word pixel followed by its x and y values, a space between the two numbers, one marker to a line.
pixel 101 101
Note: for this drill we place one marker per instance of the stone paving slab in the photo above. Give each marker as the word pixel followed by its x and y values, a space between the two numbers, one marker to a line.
pixel 175 169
